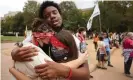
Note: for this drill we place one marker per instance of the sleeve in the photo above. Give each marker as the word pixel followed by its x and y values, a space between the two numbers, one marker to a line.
pixel 27 39
pixel 130 42
pixel 77 43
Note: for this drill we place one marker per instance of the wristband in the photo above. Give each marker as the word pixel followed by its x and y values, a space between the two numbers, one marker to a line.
pixel 70 74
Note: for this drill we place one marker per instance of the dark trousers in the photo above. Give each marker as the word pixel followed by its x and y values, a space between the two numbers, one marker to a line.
pixel 95 44
pixel 127 65
pixel 108 54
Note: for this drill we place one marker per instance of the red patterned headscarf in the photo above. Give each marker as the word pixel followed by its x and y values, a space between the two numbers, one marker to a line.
pixel 40 35
pixel 53 40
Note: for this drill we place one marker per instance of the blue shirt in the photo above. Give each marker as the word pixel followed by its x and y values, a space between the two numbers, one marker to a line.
pixel 106 41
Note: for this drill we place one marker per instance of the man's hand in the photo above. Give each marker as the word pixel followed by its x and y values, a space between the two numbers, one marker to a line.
pixel 52 70
pixel 24 53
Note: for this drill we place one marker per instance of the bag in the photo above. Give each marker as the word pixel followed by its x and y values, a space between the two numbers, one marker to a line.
pixel 83 47
pixel 106 58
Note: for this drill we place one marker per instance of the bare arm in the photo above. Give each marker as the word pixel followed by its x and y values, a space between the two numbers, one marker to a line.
pixel 81 73
pixel 77 62
pixel 52 70
pixel 18 75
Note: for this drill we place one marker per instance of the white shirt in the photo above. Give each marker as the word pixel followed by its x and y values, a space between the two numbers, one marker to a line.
pixel 100 45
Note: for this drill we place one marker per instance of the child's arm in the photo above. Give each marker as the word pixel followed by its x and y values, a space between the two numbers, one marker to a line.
pixel 77 62
pixel 18 75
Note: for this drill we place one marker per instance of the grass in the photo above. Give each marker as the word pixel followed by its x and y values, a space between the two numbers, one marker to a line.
pixel 11 38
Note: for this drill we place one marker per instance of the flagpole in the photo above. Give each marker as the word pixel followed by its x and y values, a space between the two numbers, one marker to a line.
pixel 100 23
pixel 99 20
pixel 95 13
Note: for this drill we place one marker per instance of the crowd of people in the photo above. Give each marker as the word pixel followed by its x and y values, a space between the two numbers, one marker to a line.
pixel 67 56
pixel 102 44
pixel 105 41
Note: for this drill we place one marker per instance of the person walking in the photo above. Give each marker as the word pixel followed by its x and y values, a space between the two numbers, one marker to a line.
pixel 95 41
pixel 107 47
pixel 128 53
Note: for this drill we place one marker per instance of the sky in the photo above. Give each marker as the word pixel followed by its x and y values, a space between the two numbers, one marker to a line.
pixel 17 5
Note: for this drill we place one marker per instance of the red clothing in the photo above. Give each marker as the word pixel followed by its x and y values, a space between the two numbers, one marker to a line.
pixel 96 39
pixel 81 37
pixel 128 44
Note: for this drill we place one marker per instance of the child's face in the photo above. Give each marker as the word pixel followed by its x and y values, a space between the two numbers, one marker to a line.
pixel 43 37
pixel 46 38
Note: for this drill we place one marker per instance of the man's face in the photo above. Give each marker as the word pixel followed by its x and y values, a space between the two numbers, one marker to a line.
pixel 105 35
pixel 53 17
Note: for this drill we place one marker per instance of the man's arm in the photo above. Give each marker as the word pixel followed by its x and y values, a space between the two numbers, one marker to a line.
pixel 23 53
pixel 82 73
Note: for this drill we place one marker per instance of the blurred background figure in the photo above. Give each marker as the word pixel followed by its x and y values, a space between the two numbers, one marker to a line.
pixel 95 40
pixel 107 42
pixel 128 53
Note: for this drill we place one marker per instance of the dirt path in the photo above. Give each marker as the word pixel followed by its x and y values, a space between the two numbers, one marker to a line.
pixel 112 73
pixel 115 73
pixel 6 60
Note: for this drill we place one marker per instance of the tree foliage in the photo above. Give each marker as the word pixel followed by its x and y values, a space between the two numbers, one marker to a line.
pixel 115 16
pixel 18 22
pixel 30 11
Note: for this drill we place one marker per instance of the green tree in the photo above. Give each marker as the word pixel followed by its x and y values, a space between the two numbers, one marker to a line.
pixel 71 15
pixel 30 11
pixel 6 25
pixel 113 14
pixel 18 23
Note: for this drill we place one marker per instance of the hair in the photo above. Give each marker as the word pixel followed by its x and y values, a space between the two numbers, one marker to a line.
pixel 38 25
pixel 96 34
pixel 81 29
pixel 107 35
pixel 46 4
pixel 67 39
pixel 100 38
pixel 129 34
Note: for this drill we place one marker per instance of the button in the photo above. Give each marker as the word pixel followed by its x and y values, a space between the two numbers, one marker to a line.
pixel 65 58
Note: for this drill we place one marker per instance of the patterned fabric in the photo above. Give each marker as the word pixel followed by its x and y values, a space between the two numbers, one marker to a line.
pixel 59 55
pixel 56 43
pixel 58 50
pixel 81 38
pixel 42 34
pixel 127 48
pixel 126 54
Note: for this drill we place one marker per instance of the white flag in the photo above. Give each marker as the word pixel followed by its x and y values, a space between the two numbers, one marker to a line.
pixel 94 14
pixel 89 23
pixel 96 11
